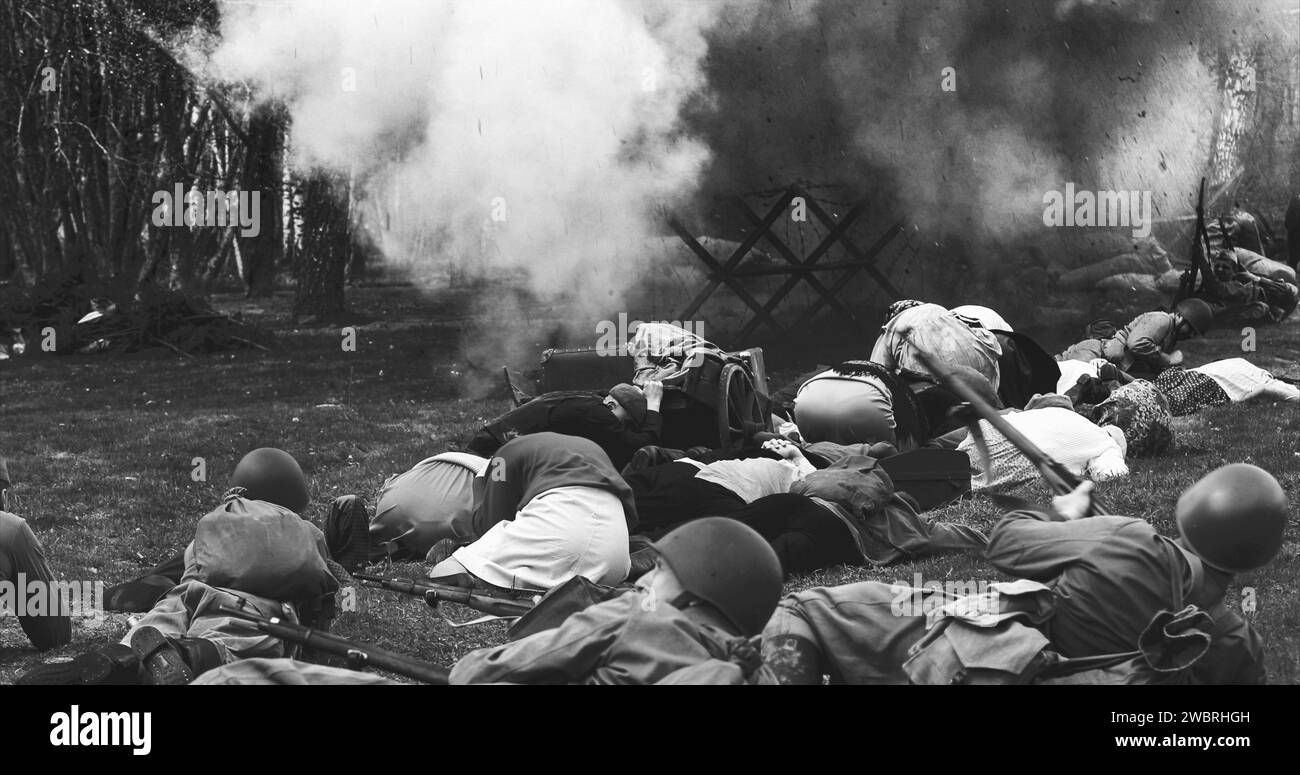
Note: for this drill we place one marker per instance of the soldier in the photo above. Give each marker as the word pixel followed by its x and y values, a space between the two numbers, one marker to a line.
pixel 1110 576
pixel 1146 346
pixel 22 558
pixel 253 550
pixel 714 584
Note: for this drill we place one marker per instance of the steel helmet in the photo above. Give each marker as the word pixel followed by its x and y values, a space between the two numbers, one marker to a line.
pixel 728 565
pixel 1196 313
pixel 272 475
pixel 1233 518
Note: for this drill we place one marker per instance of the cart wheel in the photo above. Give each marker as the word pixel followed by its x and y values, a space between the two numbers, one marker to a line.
pixel 738 408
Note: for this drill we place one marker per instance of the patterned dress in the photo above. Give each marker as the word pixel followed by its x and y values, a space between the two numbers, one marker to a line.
pixel 1142 412
pixel 1189 391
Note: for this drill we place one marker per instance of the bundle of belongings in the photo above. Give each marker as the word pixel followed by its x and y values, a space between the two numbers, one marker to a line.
pixel 696 370
pixel 676 396
pixel 665 353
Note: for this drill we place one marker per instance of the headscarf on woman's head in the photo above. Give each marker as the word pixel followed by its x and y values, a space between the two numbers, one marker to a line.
pixel 899 306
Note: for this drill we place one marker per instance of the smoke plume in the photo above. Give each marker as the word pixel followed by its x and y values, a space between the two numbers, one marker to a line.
pixel 538 139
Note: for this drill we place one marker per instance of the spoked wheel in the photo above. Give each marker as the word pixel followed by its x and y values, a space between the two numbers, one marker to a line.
pixel 739 410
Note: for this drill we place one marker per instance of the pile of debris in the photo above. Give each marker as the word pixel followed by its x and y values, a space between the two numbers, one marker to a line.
pixel 70 313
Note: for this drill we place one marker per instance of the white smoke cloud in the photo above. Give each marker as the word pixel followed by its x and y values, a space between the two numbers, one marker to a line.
pixel 489 135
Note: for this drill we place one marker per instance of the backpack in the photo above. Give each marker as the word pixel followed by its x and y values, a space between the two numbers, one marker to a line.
pixel 261 549
pixel 972 645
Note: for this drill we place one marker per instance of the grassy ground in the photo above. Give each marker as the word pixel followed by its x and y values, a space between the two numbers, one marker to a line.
pixel 101 450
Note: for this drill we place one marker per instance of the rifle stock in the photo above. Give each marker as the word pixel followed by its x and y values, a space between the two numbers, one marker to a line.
pixel 357 654
pixel 1061 479
pixel 434 593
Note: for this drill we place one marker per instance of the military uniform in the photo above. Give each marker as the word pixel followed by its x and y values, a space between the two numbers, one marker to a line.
pixel 1111 575
pixel 631 639
pixel 21 556
pixel 189 610
pixel 1144 344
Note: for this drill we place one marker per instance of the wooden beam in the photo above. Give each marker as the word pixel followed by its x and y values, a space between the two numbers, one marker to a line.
pixel 798 270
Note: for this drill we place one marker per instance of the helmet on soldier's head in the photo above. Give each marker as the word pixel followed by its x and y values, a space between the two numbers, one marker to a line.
pixel 272 475
pixel 1196 313
pixel 728 565
pixel 1234 517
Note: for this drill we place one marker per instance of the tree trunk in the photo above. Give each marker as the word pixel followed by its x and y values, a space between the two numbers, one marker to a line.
pixel 263 254
pixel 321 263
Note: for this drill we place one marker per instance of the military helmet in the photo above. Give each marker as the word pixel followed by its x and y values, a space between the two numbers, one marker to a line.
pixel 272 475
pixel 1233 518
pixel 1197 313
pixel 728 565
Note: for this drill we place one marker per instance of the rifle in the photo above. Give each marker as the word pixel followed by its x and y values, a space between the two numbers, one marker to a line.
pixel 434 593
pixel 1061 479
pixel 358 655
pixel 1199 248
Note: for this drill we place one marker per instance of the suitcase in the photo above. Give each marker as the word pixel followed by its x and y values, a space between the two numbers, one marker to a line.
pixel 934 477
pixel 584 369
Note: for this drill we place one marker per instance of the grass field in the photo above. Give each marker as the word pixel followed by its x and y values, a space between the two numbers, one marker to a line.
pixel 102 450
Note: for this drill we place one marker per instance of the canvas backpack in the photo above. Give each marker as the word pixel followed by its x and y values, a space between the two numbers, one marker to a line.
pixel 261 549
pixel 971 645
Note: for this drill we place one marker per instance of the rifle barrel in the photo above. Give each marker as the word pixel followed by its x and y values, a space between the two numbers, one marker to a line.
pixel 433 593
pixel 495 606
pixel 332 644
pixel 1058 477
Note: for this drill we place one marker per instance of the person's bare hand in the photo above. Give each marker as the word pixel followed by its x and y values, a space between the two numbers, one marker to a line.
pixel 654 394
pixel 1175 358
pixel 782 448
pixel 1076 504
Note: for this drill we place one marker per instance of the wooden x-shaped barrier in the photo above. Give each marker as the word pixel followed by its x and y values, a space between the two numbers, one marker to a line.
pixel 727 273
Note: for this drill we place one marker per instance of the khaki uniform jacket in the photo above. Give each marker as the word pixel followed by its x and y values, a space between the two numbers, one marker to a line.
pixel 628 640
pixel 1111 575
pixel 22 558
pixel 1146 340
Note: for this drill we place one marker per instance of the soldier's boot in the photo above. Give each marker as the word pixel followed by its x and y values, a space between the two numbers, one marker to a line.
pixel 114 664
pixel 173 661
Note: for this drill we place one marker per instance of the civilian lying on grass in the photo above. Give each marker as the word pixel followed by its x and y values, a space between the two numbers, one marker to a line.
pixel 553 507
